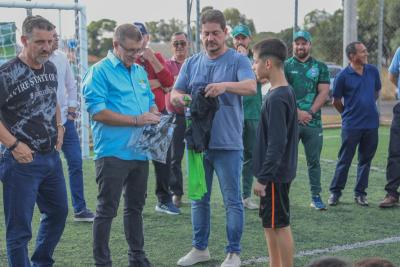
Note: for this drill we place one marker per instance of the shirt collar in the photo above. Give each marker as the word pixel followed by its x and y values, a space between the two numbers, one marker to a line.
pixel 115 61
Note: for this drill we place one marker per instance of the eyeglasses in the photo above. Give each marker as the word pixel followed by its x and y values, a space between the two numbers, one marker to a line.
pixel 176 44
pixel 133 51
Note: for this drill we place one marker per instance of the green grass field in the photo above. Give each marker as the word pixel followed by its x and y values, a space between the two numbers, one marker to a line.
pixel 169 237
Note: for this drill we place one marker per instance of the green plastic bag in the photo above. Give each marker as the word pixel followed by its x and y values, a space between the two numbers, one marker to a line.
pixel 197 186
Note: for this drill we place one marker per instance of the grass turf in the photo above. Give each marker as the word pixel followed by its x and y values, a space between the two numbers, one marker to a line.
pixel 167 237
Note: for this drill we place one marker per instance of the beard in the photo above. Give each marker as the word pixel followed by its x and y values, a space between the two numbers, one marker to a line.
pixel 302 54
pixel 41 59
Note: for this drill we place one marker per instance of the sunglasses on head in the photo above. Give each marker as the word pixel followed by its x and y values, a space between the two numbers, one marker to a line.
pixel 176 44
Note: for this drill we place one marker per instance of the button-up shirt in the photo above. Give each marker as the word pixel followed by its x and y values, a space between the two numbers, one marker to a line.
pixel 109 84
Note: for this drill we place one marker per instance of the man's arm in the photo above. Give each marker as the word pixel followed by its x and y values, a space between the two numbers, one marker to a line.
pixel 164 76
pixel 338 104
pixel 60 129
pixel 243 88
pixel 177 97
pixel 323 92
pixel 21 152
pixel 394 78
pixel 112 118
pixel 72 92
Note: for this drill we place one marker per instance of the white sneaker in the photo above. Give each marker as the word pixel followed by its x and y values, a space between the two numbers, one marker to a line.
pixel 231 260
pixel 194 256
pixel 249 204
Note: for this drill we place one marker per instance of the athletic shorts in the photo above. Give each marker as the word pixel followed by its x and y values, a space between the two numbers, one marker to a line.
pixel 274 207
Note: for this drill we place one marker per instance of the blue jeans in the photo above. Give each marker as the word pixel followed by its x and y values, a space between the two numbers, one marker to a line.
pixel 227 164
pixel 367 142
pixel 72 153
pixel 24 184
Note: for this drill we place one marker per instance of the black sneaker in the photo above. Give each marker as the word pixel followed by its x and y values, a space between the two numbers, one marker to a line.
pixel 333 200
pixel 361 200
pixel 85 215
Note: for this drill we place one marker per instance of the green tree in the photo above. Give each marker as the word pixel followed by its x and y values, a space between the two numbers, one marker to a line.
pixel 100 36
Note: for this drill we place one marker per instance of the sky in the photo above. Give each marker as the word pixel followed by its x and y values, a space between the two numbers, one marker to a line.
pixel 268 15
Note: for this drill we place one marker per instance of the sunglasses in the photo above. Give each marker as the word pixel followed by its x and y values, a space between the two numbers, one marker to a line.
pixel 176 44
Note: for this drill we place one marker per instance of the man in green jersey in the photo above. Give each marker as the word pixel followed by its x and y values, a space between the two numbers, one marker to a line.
pixel 310 81
pixel 252 108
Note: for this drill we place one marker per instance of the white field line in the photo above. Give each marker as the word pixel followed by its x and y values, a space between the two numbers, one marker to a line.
pixel 330 250
pixel 331 161
pixel 338 136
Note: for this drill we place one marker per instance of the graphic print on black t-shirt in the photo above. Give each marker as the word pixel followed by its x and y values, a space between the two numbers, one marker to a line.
pixel 28 103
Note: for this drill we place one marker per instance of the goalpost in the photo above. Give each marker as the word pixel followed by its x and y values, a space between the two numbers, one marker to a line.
pixel 82 58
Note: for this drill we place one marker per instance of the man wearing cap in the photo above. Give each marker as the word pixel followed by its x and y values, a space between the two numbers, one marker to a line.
pixel 310 81
pixel 161 81
pixel 252 109
pixel 393 165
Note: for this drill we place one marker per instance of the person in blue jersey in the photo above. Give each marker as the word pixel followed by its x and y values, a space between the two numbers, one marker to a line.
pixel 119 101
pixel 225 74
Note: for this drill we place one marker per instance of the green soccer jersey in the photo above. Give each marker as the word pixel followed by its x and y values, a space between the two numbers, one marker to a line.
pixel 252 105
pixel 304 77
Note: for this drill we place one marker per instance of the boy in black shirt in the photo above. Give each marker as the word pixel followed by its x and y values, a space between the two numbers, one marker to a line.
pixel 275 156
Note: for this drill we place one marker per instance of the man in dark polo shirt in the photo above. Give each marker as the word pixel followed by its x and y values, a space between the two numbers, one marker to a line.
pixel 31 133
pixel 355 91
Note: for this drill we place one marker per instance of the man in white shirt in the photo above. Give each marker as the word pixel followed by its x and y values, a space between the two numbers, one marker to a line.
pixel 67 99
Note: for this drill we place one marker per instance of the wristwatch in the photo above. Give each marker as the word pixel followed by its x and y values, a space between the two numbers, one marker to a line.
pixel 72 114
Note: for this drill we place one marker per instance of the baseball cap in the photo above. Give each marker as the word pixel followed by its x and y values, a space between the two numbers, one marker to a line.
pixel 303 34
pixel 241 29
pixel 141 27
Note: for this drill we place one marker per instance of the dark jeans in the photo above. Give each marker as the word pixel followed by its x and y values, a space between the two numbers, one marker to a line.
pixel 312 140
pixel 177 151
pixel 393 164
pixel 114 177
pixel 367 142
pixel 72 153
pixel 24 184
pixel 249 137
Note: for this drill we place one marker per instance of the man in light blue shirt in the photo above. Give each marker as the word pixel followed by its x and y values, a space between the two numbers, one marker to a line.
pixel 224 73
pixel 119 100
pixel 393 165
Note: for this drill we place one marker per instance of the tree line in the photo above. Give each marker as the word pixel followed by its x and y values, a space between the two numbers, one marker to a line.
pixel 326 29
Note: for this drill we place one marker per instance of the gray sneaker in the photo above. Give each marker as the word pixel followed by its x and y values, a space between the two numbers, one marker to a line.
pixel 194 256
pixel 231 260
pixel 85 215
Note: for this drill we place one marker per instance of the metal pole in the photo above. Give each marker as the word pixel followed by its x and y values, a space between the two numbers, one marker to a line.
pixel 59 31
pixel 296 12
pixel 28 10
pixel 188 29
pixel 198 26
pixel 83 66
pixel 349 26
pixel 380 44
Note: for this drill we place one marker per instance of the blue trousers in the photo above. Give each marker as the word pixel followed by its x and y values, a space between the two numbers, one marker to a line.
pixel 367 142
pixel 228 166
pixel 40 181
pixel 72 153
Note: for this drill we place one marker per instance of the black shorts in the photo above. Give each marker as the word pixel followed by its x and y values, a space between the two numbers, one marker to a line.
pixel 274 207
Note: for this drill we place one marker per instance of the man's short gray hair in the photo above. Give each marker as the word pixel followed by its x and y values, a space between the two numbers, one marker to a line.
pixel 127 31
pixel 36 22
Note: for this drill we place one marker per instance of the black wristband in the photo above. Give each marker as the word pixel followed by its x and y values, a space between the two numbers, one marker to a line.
pixel 311 113
pixel 13 146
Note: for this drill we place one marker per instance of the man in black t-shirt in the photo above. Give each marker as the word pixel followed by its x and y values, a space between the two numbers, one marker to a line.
pixel 31 134
pixel 275 156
